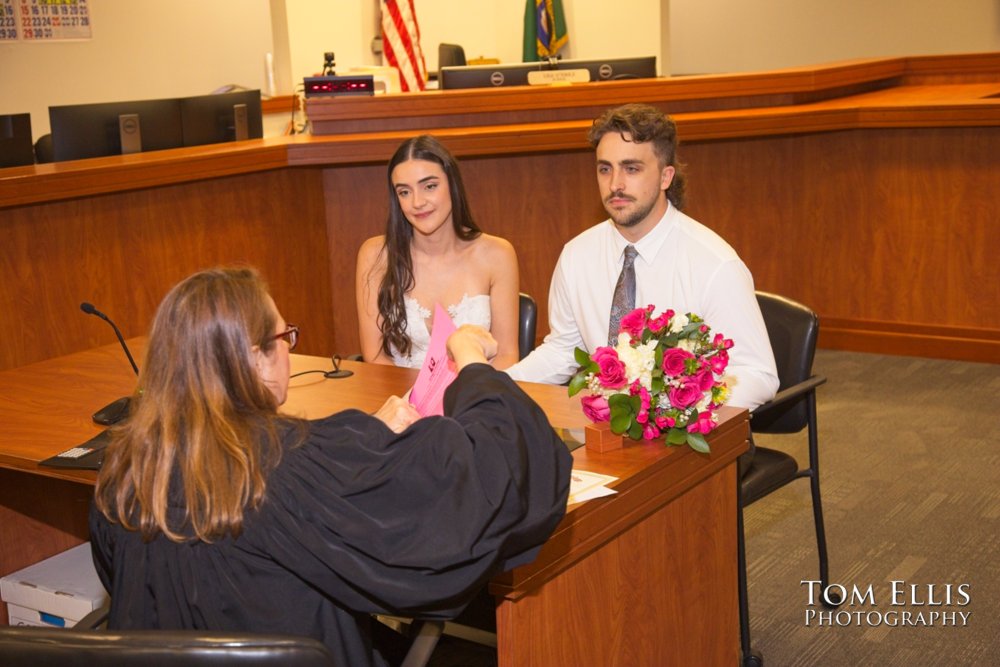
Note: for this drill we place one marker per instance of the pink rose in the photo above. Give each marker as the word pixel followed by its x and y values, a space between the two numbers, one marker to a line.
pixel 665 422
pixel 685 395
pixel 705 379
pixel 612 370
pixel 634 322
pixel 702 424
pixel 674 361
pixel 644 399
pixel 595 408
pixel 660 322
pixel 719 361
pixel 721 342
pixel 650 432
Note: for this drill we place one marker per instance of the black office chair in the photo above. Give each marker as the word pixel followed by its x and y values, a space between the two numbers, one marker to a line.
pixel 450 55
pixel 43 149
pixel 526 325
pixel 69 647
pixel 85 646
pixel 792 329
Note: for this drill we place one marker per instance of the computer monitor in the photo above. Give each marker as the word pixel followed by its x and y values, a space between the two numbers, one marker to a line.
pixel 213 119
pixel 113 128
pixel 516 74
pixel 16 149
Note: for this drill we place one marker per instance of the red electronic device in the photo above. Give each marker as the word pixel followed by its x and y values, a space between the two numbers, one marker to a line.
pixel 331 86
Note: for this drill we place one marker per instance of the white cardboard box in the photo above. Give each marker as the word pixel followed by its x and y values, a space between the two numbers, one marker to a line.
pixel 58 591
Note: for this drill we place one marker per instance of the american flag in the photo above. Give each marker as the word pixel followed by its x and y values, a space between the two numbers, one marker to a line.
pixel 401 43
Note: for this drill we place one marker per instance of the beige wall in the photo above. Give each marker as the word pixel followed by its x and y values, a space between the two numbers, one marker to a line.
pixel 710 36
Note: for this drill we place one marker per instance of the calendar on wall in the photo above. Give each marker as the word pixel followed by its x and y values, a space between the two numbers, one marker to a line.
pixel 44 20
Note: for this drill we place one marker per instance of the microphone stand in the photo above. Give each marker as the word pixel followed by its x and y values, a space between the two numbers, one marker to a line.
pixel 116 410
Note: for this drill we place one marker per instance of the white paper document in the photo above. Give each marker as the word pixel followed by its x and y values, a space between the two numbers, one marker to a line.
pixel 585 485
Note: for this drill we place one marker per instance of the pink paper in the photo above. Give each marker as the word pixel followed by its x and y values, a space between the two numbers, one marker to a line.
pixel 427 395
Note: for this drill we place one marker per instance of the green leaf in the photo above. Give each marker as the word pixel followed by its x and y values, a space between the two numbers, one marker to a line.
pixel 635 431
pixel 698 443
pixel 577 382
pixel 620 402
pixel 620 423
pixel 676 436
pixel 581 356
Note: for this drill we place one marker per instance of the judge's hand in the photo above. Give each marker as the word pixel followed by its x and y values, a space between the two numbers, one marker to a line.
pixel 397 414
pixel 471 344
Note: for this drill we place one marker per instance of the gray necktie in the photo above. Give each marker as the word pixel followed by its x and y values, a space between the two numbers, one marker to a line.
pixel 624 299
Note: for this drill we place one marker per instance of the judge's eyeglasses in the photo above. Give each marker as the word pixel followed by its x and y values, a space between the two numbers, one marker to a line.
pixel 291 336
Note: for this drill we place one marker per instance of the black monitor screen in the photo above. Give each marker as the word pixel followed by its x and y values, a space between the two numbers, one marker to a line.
pixel 94 130
pixel 212 119
pixel 516 74
pixel 16 149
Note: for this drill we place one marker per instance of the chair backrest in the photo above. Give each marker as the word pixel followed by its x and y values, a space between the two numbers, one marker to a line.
pixel 792 329
pixel 527 324
pixel 29 646
pixel 43 149
pixel 450 55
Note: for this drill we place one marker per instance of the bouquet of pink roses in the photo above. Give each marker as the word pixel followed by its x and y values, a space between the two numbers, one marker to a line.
pixel 663 377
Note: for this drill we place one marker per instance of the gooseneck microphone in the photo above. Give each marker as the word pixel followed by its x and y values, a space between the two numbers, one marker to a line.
pixel 116 410
pixel 90 310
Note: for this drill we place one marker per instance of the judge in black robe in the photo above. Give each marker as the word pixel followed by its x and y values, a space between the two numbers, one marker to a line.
pixel 357 520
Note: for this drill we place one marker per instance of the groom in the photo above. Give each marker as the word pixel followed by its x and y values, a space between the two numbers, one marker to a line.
pixel 649 252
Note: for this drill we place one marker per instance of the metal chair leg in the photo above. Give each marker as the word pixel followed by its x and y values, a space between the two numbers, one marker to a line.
pixel 830 599
pixel 749 657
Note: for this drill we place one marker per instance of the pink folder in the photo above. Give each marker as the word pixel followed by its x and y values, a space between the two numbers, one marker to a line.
pixel 438 371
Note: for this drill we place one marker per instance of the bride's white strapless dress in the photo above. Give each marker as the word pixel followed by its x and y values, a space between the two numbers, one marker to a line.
pixel 470 310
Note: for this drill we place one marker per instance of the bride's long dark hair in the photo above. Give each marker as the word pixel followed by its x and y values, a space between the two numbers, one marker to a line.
pixel 398 278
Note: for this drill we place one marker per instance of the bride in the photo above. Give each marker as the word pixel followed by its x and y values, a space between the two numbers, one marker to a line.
pixel 432 253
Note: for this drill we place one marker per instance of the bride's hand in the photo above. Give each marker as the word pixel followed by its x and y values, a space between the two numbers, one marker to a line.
pixel 471 344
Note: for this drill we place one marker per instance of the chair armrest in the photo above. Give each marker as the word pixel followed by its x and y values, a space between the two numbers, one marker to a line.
pixel 791 393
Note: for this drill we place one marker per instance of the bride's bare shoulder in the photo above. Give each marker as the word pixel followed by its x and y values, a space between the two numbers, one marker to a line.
pixel 495 249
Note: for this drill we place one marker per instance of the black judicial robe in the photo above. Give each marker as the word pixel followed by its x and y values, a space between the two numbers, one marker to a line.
pixel 360 520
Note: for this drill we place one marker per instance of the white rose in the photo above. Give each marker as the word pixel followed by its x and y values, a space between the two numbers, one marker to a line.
pixel 638 361
pixel 678 323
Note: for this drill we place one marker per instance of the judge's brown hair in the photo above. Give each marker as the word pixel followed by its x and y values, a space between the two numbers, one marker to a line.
pixel 203 428
pixel 640 123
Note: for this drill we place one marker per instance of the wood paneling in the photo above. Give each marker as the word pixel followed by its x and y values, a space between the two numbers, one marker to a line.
pixel 667 606
pixel 747 90
pixel 123 251
pixel 877 226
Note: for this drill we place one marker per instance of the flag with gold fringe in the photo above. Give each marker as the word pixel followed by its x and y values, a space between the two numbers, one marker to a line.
pixel 544 29
pixel 401 43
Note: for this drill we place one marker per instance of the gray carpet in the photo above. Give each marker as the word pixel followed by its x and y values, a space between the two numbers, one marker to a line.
pixel 910 465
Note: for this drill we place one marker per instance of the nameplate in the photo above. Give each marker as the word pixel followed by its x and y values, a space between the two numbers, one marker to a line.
pixel 547 77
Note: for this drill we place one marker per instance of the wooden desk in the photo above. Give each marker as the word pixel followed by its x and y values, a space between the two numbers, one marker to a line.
pixel 644 577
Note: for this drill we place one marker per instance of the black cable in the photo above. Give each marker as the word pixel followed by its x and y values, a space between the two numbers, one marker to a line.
pixel 336 374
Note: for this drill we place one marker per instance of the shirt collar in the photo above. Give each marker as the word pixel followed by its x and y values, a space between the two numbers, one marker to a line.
pixel 649 245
